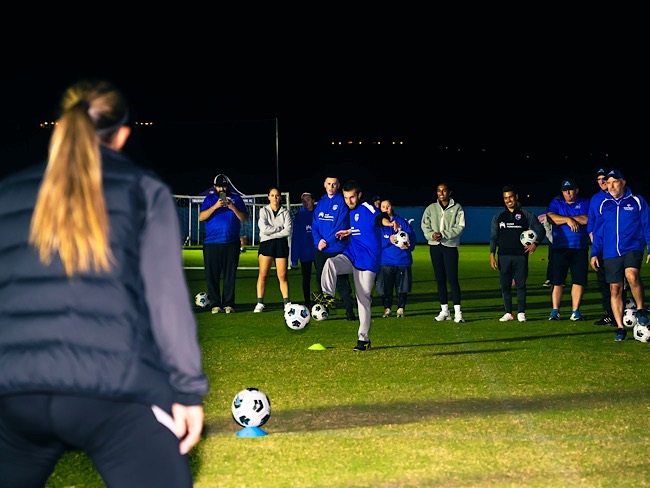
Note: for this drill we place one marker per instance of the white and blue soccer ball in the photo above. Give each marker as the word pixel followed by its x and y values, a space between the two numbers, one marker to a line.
pixel 629 317
pixel 641 333
pixel 251 407
pixel 297 316
pixel 202 300
pixel 319 312
pixel 402 238
pixel 527 237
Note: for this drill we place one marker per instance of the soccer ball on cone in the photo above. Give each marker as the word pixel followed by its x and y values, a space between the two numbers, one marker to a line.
pixel 319 312
pixel 202 300
pixel 527 237
pixel 297 316
pixel 251 408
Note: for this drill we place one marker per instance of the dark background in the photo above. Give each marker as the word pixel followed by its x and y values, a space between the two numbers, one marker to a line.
pixel 478 106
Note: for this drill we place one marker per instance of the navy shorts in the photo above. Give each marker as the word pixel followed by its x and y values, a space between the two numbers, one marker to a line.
pixel 615 267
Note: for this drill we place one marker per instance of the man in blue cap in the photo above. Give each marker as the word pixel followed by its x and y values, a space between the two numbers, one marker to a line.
pixel 620 235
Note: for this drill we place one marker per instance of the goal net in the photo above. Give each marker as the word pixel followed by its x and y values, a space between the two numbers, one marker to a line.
pixel 193 231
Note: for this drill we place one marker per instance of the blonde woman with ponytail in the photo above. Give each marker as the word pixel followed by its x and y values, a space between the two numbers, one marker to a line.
pixel 98 342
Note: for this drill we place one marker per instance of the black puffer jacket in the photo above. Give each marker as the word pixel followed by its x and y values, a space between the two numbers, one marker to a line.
pixel 128 335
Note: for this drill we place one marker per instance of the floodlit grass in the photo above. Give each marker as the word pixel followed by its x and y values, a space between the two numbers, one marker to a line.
pixel 479 404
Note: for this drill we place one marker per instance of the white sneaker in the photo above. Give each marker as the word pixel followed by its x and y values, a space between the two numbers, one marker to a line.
pixel 259 308
pixel 521 317
pixel 443 316
pixel 229 310
pixel 387 312
pixel 216 309
pixel 506 318
pixel 400 313
pixel 459 317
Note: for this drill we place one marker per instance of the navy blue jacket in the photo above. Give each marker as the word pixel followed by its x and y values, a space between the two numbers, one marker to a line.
pixel 129 334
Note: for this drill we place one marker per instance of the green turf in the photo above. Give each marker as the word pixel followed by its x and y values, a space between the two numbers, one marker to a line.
pixel 478 404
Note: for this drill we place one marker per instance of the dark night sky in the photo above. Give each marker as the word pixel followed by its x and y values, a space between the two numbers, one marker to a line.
pixel 478 115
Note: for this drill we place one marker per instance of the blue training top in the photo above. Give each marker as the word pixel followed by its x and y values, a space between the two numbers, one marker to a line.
pixel 223 226
pixel 330 216
pixel 364 248
pixel 563 236
pixel 391 254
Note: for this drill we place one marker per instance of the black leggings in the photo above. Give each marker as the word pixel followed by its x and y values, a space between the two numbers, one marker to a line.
pixel 127 445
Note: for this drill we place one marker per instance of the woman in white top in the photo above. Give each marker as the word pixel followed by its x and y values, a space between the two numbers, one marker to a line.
pixel 275 226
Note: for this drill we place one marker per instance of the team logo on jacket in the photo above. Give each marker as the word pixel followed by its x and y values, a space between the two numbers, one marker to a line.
pixel 356 218
pixel 629 208
pixel 517 216
pixel 335 207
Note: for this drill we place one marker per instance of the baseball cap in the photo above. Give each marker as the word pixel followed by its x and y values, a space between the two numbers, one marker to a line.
pixel 601 172
pixel 221 180
pixel 569 184
pixel 615 173
pixel 375 198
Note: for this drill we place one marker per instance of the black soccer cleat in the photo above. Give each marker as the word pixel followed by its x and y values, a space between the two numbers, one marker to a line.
pixel 606 320
pixel 362 346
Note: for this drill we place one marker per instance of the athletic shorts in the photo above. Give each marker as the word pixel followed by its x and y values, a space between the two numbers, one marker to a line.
pixel 574 260
pixel 274 248
pixel 615 267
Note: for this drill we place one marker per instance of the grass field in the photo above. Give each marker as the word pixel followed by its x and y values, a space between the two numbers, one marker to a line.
pixel 477 404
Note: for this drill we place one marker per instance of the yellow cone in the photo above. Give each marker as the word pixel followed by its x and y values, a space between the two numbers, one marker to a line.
pixel 317 347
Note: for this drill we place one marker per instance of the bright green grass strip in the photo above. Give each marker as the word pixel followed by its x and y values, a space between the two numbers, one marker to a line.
pixel 478 404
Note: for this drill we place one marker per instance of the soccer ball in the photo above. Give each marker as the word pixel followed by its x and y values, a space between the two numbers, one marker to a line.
pixel 297 316
pixel 629 317
pixel 202 300
pixel 402 239
pixel 251 408
pixel 630 303
pixel 527 237
pixel 641 333
pixel 319 312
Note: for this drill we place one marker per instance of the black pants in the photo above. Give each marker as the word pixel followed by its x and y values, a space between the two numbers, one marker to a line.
pixel 305 269
pixel 127 445
pixel 444 260
pixel 513 268
pixel 342 282
pixel 221 259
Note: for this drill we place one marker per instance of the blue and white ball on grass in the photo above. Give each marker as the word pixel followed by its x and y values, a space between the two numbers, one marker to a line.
pixel 641 333
pixel 319 312
pixel 297 316
pixel 202 300
pixel 528 237
pixel 251 407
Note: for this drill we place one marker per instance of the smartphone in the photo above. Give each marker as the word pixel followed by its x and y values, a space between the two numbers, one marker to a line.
pixel 222 196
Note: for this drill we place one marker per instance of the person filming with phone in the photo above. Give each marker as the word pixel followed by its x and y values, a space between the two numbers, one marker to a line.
pixel 223 210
